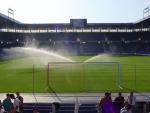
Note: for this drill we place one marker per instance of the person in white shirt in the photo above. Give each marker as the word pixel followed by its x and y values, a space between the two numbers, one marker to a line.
pixel 16 105
pixel 21 101
pixel 131 99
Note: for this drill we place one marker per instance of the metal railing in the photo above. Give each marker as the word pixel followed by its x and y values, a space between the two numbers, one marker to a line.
pixel 83 30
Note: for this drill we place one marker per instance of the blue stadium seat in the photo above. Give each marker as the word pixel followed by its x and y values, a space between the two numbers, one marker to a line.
pixel 88 108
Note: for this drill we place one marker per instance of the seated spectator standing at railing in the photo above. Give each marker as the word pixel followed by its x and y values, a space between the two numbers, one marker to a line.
pixel 106 105
pixel 119 101
pixel 16 105
pixel 13 108
pixel 131 99
pixel 7 103
pixel 21 101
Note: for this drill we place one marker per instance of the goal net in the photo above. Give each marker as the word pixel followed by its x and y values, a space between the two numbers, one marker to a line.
pixel 89 77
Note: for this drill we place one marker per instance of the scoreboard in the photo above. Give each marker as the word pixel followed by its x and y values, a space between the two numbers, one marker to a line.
pixel 78 23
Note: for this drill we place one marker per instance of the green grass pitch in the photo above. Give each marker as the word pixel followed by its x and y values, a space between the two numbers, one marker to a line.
pixel 29 74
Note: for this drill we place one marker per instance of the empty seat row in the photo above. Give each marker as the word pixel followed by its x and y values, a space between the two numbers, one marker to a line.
pixel 63 108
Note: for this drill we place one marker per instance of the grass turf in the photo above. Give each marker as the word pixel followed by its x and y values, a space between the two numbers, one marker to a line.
pixel 17 75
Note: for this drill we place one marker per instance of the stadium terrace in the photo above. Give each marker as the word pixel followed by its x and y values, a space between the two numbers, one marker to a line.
pixel 78 36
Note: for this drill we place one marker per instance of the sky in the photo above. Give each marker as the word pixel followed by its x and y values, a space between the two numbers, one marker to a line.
pixel 60 11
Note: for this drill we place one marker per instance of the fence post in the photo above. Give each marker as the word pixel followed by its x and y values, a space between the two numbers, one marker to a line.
pixel 55 107
pixel 144 108
pixel 76 109
pixel 135 76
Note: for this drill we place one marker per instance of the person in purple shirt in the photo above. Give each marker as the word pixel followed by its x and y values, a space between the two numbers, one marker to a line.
pixel 106 105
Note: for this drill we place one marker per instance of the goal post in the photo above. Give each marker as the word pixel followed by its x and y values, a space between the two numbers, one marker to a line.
pixel 84 76
pixel 120 82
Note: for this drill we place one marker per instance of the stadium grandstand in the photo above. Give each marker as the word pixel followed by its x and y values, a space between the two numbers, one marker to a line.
pixel 78 36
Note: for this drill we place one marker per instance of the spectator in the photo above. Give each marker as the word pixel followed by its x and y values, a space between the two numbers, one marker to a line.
pixel 7 103
pixel 1 107
pixel 119 101
pixel 106 98
pixel 16 105
pixel 18 96
pixel 106 105
pixel 13 108
pixel 131 99
pixel 21 101
pixel 12 97
pixel 127 108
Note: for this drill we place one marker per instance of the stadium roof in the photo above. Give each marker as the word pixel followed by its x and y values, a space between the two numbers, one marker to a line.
pixel 9 18
pixel 143 19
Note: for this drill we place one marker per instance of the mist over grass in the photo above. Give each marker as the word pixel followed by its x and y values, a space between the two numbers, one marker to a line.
pixel 22 63
pixel 18 73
